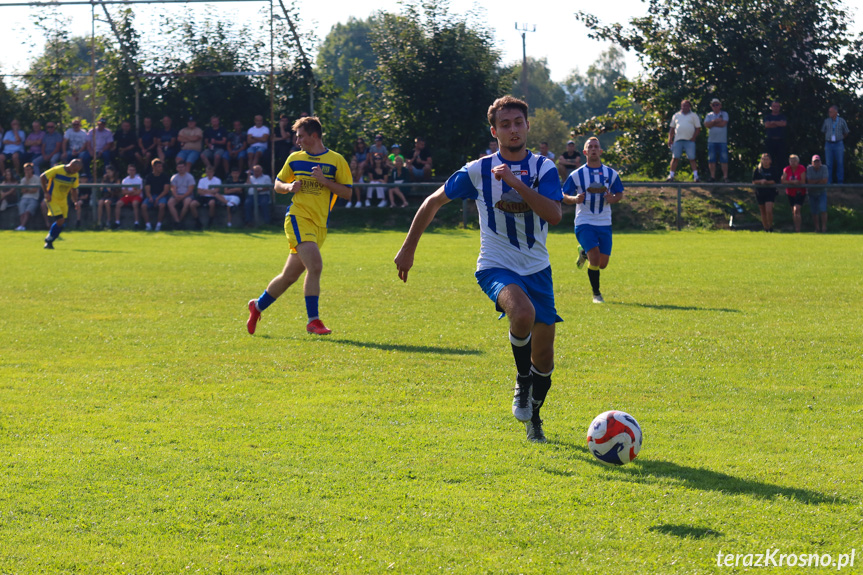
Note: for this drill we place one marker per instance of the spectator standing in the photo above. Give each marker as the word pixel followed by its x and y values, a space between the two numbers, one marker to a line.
pixel 283 141
pixel 76 145
pixel 127 144
pixel 261 195
pixel 716 123
pixel 817 173
pixel 206 196
pixel 182 193
pixel 569 161
pixel 157 191
pixel 766 196
pixel 258 137
pixel 148 141
pixel 834 129
pixel 683 131
pixel 108 199
pixel 13 146
pixel 167 146
pixel 191 139
pixel 378 173
pixel 776 143
pixel 51 149
pixel 544 151
pixel 102 141
pixel 130 195
pixel 216 145
pixel 795 173
pixel 420 162
pixel 29 201
pixel 33 143
pixel 237 146
pixel 398 175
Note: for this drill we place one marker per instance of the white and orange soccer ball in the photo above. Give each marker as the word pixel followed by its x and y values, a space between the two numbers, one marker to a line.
pixel 614 438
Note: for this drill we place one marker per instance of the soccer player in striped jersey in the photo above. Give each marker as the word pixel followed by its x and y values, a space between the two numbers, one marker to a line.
pixel 58 183
pixel 316 176
pixel 517 196
pixel 593 188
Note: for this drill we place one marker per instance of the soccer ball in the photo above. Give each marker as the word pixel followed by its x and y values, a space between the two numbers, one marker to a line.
pixel 614 438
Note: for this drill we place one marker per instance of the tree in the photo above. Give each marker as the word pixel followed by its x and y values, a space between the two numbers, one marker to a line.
pixel 346 47
pixel 542 91
pixel 589 94
pixel 546 125
pixel 438 75
pixel 745 52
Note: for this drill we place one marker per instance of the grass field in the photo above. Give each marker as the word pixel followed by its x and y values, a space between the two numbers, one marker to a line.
pixel 142 430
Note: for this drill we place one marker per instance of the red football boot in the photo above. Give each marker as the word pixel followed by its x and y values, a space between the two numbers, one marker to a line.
pixel 254 316
pixel 317 327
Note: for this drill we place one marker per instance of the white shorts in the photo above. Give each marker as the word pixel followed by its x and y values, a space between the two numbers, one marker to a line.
pixel 232 201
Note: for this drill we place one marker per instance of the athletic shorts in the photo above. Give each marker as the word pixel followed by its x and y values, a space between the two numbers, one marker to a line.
pixel 590 237
pixel 797 200
pixel 765 195
pixel 232 200
pixel 301 230
pixel 127 200
pixel 818 203
pixel 152 202
pixel 57 208
pixel 680 147
pixel 538 287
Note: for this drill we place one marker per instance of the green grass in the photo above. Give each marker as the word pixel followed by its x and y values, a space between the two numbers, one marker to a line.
pixel 142 430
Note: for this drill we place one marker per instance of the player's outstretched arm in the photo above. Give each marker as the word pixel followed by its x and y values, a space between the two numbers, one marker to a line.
pixel 404 260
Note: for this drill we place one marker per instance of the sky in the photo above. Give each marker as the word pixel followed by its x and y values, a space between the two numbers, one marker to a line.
pixel 559 37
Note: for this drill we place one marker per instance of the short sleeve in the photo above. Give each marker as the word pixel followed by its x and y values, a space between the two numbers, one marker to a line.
pixel 460 185
pixel 569 187
pixel 343 173
pixel 616 184
pixel 286 174
pixel 549 185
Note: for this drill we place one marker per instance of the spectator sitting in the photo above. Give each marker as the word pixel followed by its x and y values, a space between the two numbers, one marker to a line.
pixel 569 161
pixel 378 147
pixel 258 137
pixel 237 146
pixel 398 175
pixel 83 200
pixel 182 193
pixel 13 146
pixel 544 151
pixel 33 143
pixel 396 152
pixel 191 139
pixel 766 196
pixel 232 196
pixel 261 195
pixel 8 197
pixel 108 199
pixel 131 194
pixel 206 197
pixel 361 155
pixel 51 149
pixel 166 149
pixel 353 166
pixel 283 141
pixel 796 196
pixel 420 162
pixel 377 173
pixel 147 143
pixel 76 144
pixel 157 191
pixel 817 173
pixel 126 142
pixel 29 201
pixel 102 141
pixel 216 144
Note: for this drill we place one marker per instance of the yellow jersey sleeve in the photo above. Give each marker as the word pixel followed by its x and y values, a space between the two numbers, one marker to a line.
pixel 287 174
pixel 343 173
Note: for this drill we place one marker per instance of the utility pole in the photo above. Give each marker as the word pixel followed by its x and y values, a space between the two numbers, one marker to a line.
pixel 525 28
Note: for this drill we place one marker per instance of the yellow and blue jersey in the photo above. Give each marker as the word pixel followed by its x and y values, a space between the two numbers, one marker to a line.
pixel 314 201
pixel 60 182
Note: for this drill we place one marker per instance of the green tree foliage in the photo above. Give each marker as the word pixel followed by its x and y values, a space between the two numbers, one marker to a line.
pixel 438 73
pixel 745 52
pixel 346 48
pixel 541 91
pixel 546 125
pixel 590 94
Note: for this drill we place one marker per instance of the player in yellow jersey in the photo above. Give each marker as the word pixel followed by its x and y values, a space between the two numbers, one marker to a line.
pixel 57 183
pixel 317 177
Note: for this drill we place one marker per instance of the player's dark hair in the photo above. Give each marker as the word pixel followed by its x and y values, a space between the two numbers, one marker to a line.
pixel 310 125
pixel 503 103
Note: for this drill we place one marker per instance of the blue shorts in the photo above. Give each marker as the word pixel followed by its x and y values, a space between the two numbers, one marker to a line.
pixel 717 149
pixel 818 203
pixel 679 147
pixel 148 202
pixel 538 287
pixel 594 236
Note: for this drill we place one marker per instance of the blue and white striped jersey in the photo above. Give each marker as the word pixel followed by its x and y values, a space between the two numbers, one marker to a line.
pixel 512 236
pixel 594 182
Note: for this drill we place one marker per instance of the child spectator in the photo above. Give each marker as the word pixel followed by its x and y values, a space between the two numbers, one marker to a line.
pixel 796 173
pixel 108 198
pixel 8 196
pixel 157 191
pixel 131 194
pixel 399 175
pixel 766 196
pixel 83 201
pixel 206 197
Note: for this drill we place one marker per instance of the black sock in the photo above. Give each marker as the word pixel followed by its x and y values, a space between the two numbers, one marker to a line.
pixel 521 352
pixel 593 276
pixel 541 385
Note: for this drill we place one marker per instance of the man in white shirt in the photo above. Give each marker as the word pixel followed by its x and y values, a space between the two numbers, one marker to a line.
pixel 684 129
pixel 206 196
pixel 260 195
pixel 258 137
pixel 132 187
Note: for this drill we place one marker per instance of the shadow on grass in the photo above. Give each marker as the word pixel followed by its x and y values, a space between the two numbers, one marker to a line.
pixel 102 251
pixel 405 348
pixel 686 531
pixel 675 307
pixel 645 470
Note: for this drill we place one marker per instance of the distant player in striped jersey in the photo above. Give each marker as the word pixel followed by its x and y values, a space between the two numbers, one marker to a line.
pixel 58 183
pixel 316 176
pixel 593 188
pixel 518 196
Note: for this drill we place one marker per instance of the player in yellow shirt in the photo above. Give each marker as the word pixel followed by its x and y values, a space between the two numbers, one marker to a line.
pixel 57 183
pixel 317 177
